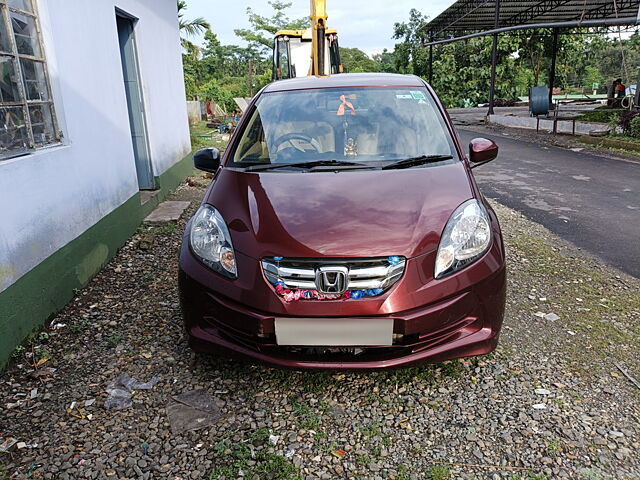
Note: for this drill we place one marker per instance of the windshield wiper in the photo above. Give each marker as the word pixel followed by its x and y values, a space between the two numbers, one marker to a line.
pixel 305 165
pixel 415 161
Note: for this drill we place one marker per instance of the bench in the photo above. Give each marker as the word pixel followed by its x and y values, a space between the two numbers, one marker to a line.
pixel 555 121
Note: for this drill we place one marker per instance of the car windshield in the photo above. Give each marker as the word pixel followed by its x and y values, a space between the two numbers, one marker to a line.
pixel 361 125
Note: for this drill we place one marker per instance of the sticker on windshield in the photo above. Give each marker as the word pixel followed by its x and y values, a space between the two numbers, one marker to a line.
pixel 417 95
pixel 404 96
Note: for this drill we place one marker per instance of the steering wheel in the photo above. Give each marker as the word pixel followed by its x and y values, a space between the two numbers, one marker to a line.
pixel 295 140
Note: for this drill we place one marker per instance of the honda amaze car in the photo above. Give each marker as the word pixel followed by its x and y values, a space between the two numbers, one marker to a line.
pixel 343 229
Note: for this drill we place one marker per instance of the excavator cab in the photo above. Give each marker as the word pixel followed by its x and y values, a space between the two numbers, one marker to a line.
pixel 299 53
pixel 292 54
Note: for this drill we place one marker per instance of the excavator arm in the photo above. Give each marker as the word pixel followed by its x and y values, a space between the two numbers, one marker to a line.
pixel 318 28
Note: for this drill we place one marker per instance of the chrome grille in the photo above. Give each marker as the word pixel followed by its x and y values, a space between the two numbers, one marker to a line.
pixel 363 274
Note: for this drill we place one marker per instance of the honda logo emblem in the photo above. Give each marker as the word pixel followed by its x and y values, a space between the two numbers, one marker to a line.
pixel 332 280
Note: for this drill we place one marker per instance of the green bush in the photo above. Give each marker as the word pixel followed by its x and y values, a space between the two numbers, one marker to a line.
pixel 601 116
pixel 634 129
pixel 212 90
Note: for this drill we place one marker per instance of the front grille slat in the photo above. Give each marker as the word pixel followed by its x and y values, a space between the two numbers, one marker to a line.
pixel 297 273
pixel 368 272
pixel 366 284
pixel 363 274
pixel 301 284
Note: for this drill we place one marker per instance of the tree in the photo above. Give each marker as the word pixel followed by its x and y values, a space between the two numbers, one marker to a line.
pixel 263 30
pixel 190 28
pixel 409 54
pixel 387 61
pixel 620 59
pixel 355 60
pixel 461 70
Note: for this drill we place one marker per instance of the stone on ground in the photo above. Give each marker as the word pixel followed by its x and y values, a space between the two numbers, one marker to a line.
pixel 167 212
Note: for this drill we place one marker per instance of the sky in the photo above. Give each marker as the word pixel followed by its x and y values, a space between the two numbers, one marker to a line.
pixel 364 24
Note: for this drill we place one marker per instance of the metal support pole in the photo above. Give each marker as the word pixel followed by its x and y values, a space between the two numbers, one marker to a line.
pixel 494 58
pixel 637 97
pixel 430 64
pixel 494 55
pixel 552 70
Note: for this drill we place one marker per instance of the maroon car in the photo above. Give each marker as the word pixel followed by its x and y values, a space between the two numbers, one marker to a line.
pixel 343 229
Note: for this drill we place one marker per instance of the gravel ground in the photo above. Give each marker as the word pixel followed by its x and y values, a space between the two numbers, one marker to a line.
pixel 549 403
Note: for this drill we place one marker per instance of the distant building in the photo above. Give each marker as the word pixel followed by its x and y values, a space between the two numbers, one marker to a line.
pixel 93 134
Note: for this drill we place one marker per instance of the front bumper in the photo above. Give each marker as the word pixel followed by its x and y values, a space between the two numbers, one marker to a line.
pixel 434 320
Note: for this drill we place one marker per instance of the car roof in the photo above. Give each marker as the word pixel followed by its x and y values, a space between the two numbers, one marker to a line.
pixel 346 80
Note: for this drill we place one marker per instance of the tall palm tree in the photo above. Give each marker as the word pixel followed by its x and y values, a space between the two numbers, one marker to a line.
pixel 191 28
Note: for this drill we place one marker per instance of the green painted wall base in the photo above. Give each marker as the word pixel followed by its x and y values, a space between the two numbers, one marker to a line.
pixel 48 287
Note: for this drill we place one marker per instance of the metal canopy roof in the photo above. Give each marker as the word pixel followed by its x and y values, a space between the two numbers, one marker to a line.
pixel 467 16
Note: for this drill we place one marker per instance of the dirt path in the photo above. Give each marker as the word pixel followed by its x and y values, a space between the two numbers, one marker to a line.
pixel 549 403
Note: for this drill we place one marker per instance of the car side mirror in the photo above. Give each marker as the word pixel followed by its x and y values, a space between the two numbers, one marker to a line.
pixel 481 151
pixel 207 160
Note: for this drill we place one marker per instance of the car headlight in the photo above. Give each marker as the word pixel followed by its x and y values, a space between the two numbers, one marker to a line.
pixel 211 243
pixel 465 238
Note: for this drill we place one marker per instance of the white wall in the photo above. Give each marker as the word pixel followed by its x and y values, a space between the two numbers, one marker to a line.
pixel 49 198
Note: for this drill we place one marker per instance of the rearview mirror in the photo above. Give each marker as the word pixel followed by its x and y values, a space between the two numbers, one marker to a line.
pixel 481 151
pixel 207 160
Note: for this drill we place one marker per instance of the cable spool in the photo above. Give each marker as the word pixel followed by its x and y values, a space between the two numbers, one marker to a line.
pixel 539 100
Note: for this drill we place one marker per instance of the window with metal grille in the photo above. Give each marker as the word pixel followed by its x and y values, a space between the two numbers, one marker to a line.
pixel 27 113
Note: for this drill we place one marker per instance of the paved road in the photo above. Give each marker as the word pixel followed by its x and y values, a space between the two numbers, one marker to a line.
pixel 593 202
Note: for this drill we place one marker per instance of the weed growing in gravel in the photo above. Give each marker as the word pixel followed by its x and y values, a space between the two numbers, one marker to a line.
pixel 169 229
pixel 307 418
pixel 316 382
pixel 371 430
pixel 79 326
pixel 115 338
pixel 403 473
pixel 222 472
pixel 594 473
pixel 163 229
pixel 427 373
pixel 320 443
pixel 283 380
pixel 41 354
pixel 267 465
pixel 553 447
pixel 324 406
pixel 277 468
pixel 363 460
pixel 408 375
pixel 439 472
pixel 259 436
pixel 453 369
pixel 17 353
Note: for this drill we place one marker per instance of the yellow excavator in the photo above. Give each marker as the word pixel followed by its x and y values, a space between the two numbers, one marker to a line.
pixel 299 53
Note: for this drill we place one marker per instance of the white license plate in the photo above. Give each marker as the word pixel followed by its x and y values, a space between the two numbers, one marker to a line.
pixel 334 332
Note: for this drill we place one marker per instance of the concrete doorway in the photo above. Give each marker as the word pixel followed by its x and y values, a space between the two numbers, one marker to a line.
pixel 135 100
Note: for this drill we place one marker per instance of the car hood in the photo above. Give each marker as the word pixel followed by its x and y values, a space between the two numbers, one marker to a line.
pixel 362 213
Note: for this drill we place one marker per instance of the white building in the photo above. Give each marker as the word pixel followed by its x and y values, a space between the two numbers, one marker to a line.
pixel 92 121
